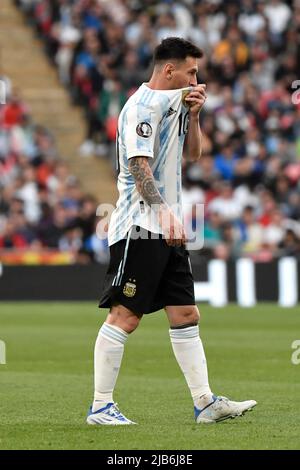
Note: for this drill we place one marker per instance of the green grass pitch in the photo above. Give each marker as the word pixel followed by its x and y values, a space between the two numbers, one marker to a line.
pixel 46 385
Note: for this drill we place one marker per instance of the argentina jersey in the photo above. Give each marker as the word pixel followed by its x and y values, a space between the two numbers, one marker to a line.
pixel 152 124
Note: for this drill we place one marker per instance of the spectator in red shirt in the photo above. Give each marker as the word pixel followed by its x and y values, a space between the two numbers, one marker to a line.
pixel 10 238
pixel 13 111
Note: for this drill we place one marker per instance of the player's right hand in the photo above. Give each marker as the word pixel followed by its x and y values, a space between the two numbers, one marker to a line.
pixel 196 98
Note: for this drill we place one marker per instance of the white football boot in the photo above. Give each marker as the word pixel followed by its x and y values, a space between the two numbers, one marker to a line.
pixel 222 408
pixel 108 415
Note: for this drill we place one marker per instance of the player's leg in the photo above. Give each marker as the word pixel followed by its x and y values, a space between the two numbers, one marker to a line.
pixel 108 354
pixel 189 351
pixel 133 276
pixel 183 317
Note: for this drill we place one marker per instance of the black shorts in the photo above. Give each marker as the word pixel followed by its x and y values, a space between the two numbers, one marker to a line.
pixel 146 275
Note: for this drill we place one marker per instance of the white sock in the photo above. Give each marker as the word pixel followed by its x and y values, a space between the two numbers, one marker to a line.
pixel 108 355
pixel 189 352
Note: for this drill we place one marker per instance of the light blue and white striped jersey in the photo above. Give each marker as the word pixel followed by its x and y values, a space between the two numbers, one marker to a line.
pixel 153 124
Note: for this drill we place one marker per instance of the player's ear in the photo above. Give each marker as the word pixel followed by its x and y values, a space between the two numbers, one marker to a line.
pixel 168 70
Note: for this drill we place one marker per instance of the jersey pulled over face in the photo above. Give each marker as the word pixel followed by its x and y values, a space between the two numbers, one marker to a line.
pixel 152 124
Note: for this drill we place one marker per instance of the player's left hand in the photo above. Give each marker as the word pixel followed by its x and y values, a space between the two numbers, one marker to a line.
pixel 196 98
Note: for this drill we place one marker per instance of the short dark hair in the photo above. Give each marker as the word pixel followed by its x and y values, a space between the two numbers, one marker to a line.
pixel 175 48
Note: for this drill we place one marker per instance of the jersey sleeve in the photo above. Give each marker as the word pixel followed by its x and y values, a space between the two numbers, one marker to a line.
pixel 140 128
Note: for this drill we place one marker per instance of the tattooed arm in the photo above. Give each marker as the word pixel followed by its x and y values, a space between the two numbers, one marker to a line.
pixel 144 180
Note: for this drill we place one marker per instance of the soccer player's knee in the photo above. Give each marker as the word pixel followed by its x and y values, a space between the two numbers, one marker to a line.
pixel 193 315
pixel 132 323
pixel 123 318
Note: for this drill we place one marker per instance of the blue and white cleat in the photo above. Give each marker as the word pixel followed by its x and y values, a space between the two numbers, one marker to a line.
pixel 108 415
pixel 222 408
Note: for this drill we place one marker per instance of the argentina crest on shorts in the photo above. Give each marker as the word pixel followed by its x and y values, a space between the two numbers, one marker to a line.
pixel 129 288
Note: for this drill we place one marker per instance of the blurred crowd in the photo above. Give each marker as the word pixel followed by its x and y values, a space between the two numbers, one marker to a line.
pixel 249 175
pixel 42 205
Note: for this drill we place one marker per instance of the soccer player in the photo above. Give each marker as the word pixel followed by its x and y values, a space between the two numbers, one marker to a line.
pixel 149 267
